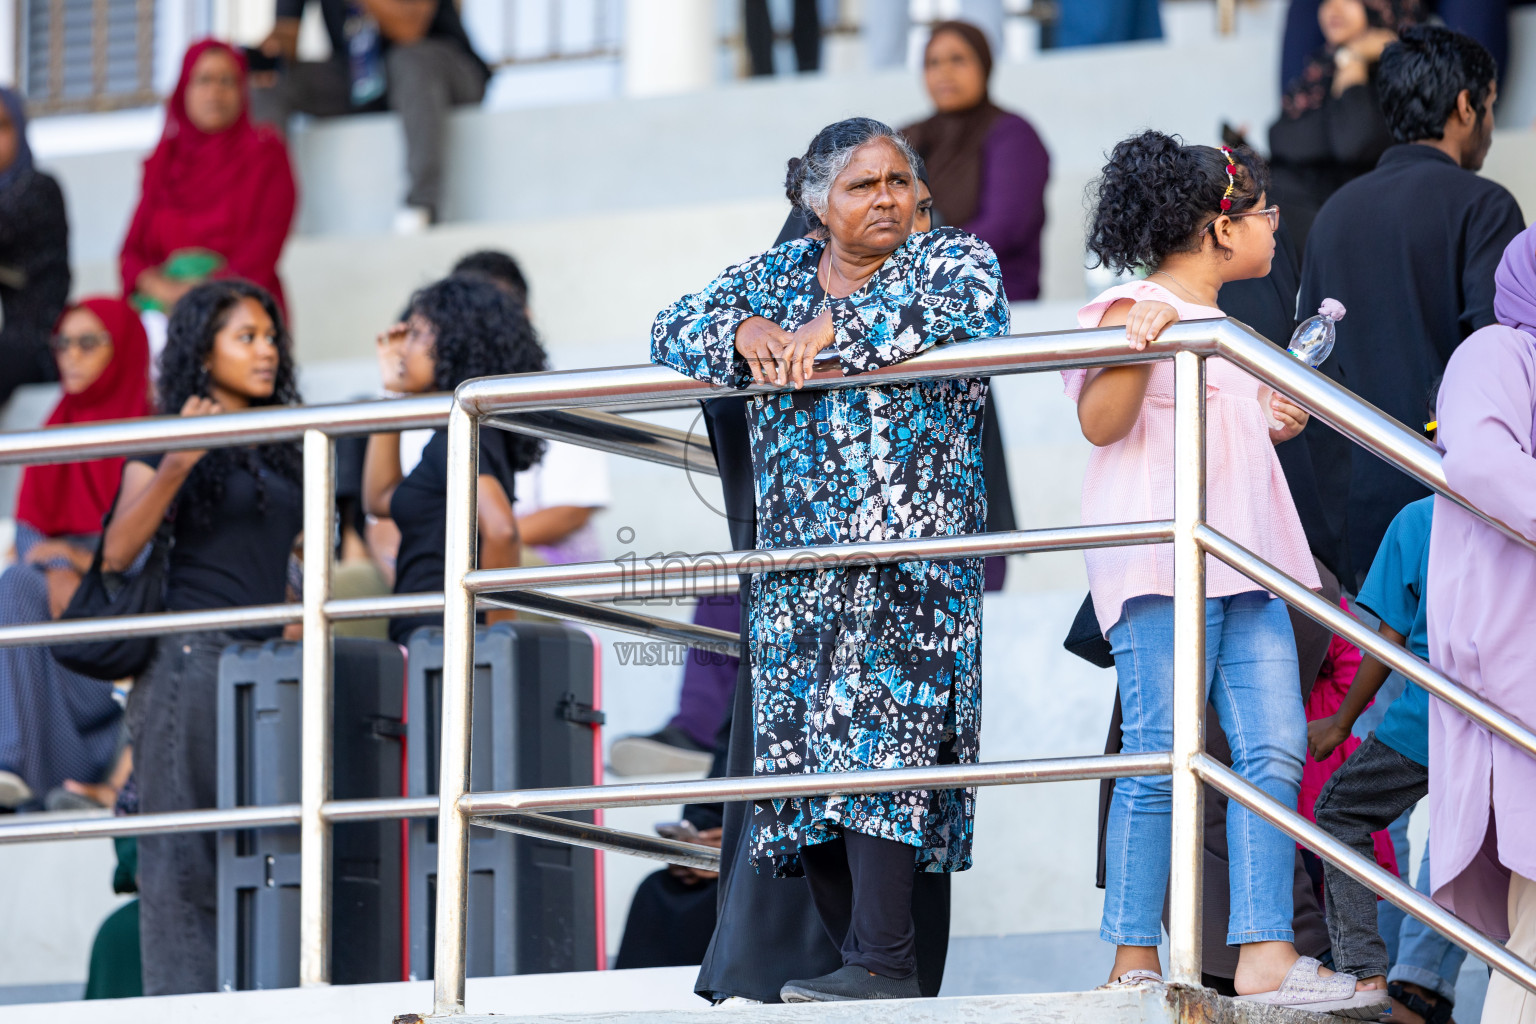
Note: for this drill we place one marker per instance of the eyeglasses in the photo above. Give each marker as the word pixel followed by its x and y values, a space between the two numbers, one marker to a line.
pixel 86 343
pixel 1271 213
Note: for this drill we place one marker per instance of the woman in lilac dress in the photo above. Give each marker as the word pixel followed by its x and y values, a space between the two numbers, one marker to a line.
pixel 987 168
pixel 1481 589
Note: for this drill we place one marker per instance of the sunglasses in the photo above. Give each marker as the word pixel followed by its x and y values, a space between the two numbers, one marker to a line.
pixel 86 343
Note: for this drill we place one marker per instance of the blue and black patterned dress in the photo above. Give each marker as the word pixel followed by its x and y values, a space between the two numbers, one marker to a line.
pixel 868 666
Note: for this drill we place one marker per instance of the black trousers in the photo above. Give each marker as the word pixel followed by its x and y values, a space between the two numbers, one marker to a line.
pixel 805 32
pixel 862 888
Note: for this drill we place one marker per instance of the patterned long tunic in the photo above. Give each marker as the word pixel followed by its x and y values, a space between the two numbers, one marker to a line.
pixel 867 666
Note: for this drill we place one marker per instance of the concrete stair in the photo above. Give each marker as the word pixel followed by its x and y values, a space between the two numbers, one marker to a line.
pixel 1150 1004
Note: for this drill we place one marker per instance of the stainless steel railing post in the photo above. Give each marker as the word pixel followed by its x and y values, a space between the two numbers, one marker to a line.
pixel 1184 891
pixel 458 677
pixel 316 735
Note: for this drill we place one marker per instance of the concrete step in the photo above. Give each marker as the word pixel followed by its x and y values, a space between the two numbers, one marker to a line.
pixel 1150 1004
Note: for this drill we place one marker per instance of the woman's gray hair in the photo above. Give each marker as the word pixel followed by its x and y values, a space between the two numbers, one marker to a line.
pixel 810 176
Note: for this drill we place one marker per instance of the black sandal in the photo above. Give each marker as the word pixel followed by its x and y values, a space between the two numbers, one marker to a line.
pixel 1438 1012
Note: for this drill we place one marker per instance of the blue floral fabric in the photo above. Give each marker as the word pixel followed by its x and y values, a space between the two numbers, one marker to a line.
pixel 868 666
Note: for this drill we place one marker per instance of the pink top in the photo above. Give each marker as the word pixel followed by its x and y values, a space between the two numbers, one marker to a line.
pixel 1132 480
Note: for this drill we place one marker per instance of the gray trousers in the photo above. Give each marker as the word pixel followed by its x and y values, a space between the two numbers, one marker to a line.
pixel 427 79
pixel 1366 794
pixel 173 722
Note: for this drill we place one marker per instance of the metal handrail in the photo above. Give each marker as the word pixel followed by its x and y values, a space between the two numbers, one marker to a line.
pixel 560 399
pixel 1189 344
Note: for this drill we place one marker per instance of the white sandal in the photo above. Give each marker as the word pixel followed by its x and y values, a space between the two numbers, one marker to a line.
pixel 1305 989
pixel 1131 979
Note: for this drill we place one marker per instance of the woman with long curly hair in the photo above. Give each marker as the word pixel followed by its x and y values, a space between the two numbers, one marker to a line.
pixel 459 328
pixel 235 513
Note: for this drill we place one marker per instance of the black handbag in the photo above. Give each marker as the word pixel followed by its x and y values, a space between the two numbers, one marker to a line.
pixel 1086 641
pixel 103 594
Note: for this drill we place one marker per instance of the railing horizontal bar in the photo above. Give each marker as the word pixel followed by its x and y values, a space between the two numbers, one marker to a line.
pixel 1348 413
pixel 256 426
pixel 1367 872
pixel 616 435
pixel 28 828
pixel 380 808
pixel 607 617
pixel 42 634
pixel 1389 654
pixel 599 837
pixel 982 357
pixel 979 545
pixel 158 624
pixel 775 787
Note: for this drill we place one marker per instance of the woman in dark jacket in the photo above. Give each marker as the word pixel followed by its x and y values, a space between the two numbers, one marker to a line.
pixel 1331 129
pixel 34 256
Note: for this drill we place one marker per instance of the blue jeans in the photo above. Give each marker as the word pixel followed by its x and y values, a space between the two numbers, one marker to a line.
pixel 1424 956
pixel 1254 683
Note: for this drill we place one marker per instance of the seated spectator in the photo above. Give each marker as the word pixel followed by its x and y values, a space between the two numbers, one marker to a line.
pixel 411 56
pixel 34 255
pixel 987 167
pixel 1482 586
pixel 1331 128
pixel 57 725
pixel 237 513
pixel 455 329
pixel 218 195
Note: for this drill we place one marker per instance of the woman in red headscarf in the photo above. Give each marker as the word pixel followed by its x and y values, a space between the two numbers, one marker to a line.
pixel 218 195
pixel 55 724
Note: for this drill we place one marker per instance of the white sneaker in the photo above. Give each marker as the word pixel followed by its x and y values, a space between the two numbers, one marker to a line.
pixel 14 790
pixel 733 1001
pixel 412 220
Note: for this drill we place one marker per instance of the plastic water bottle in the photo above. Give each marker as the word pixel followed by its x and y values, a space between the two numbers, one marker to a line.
pixel 1314 339
pixel 1312 343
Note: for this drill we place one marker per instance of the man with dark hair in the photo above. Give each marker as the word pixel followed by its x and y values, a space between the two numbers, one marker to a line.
pixel 500 268
pixel 1410 249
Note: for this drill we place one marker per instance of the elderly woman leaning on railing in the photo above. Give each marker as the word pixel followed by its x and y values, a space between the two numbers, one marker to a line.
pixel 868 666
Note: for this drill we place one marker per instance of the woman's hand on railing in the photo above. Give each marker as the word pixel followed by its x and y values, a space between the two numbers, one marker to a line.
pixel 766 347
pixel 1293 416
pixel 808 340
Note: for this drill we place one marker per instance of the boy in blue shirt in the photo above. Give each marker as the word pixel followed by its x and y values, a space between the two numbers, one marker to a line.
pixel 1384 777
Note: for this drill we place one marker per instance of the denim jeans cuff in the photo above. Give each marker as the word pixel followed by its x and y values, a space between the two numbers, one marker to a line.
pixel 1273 935
pixel 1424 978
pixel 1129 940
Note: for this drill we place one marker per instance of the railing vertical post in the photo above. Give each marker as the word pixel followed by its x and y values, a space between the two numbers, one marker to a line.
pixel 316 734
pixel 458 675
pixel 1184 892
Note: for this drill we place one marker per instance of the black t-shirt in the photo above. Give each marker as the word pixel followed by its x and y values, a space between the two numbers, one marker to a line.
pixel 240 556
pixel 420 511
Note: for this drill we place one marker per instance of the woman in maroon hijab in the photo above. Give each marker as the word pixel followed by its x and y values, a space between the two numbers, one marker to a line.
pixel 56 725
pixel 987 168
pixel 218 196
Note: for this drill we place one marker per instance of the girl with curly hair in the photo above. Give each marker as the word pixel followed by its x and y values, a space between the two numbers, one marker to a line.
pixel 459 328
pixel 1196 218
pixel 235 513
